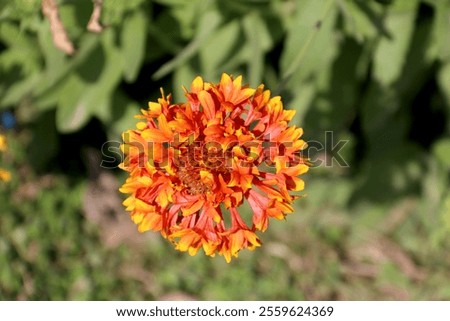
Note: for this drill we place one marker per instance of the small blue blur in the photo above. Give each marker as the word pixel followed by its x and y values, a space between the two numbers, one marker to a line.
pixel 7 120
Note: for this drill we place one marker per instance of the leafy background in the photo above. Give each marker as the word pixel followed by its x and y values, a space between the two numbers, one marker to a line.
pixel 375 73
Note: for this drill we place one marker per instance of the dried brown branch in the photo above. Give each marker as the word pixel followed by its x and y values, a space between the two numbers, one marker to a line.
pixel 60 38
pixel 94 23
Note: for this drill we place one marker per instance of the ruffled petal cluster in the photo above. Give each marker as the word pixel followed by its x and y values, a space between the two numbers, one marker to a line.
pixel 192 165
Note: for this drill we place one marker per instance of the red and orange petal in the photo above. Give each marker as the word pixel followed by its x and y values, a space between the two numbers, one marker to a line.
pixel 192 165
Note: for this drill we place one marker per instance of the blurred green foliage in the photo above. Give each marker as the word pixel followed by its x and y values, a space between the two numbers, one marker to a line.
pixel 375 73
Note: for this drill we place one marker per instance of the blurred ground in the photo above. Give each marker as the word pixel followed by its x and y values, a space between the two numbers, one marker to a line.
pixel 56 248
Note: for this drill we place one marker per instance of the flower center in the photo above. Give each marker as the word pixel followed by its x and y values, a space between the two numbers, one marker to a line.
pixel 199 167
pixel 191 178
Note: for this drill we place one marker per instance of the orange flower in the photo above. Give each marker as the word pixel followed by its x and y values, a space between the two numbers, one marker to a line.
pixel 4 174
pixel 3 144
pixel 192 165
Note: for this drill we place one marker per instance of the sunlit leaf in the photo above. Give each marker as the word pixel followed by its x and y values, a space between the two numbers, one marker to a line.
pixel 123 111
pixel 55 59
pixel 441 29
pixel 133 37
pixel 88 92
pixel 444 81
pixel 445 214
pixel 115 10
pixel 391 52
pixel 206 27
pixel 72 113
pixel 188 15
pixel 259 41
pixel 219 49
pixel 182 76
pixel 441 150
pixel 87 44
pixel 304 52
pixel 19 89
pixel 362 20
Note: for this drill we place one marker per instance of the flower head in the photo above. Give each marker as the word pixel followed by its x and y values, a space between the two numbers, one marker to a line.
pixel 192 165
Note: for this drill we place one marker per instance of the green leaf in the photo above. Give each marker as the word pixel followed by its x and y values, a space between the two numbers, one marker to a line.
pixel 418 64
pixel 301 102
pixel 183 76
pixel 115 10
pixel 441 29
pixel 385 2
pixel 50 98
pixel 239 57
pixel 188 14
pixel 441 149
pixel 72 113
pixel 18 90
pixel 55 59
pixel 443 230
pixel 444 81
pixel 361 20
pixel 100 94
pixel 103 78
pixel 171 2
pixel 28 7
pixel 206 27
pixel 133 37
pixel 123 111
pixel 165 38
pixel 379 125
pixel 260 42
pixel 393 158
pixel 11 35
pixel 88 44
pixel 88 91
pixel 19 58
pixel 75 16
pixel 215 52
pixel 312 31
pixel 22 50
pixel 391 52
pixel 337 92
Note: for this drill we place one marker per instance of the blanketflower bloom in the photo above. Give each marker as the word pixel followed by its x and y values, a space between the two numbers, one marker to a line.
pixel 192 165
